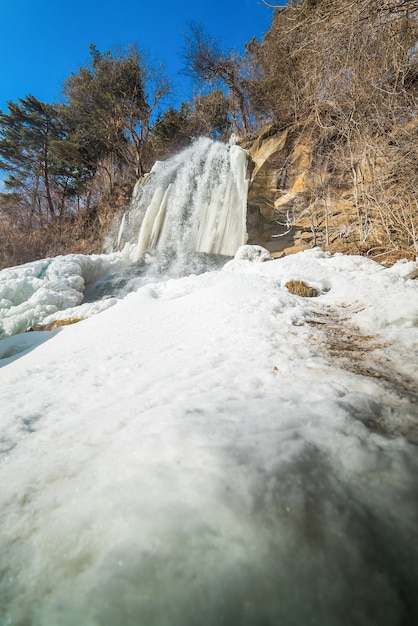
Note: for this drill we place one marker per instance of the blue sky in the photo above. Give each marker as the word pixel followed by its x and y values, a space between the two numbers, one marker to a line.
pixel 43 41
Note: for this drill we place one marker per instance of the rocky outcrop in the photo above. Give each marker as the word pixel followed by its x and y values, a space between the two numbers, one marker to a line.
pixel 278 188
pixel 292 203
pixel 304 193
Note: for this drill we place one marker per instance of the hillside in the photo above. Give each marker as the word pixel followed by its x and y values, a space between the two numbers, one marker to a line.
pixel 332 85
pixel 295 204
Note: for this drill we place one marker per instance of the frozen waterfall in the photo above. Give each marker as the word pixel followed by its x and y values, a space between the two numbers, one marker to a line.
pixel 194 202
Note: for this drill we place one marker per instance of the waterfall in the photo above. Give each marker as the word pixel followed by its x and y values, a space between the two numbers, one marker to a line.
pixel 194 202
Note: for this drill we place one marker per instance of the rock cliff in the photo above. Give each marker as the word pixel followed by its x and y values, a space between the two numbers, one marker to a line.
pixel 296 201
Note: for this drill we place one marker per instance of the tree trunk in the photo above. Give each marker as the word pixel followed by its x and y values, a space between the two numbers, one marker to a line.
pixel 46 173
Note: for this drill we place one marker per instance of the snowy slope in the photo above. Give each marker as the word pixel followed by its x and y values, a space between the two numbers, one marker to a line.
pixel 215 450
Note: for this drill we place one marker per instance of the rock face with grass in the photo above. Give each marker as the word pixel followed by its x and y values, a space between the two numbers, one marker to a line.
pixel 280 190
pixel 298 200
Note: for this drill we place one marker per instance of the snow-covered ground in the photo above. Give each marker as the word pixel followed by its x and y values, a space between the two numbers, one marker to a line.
pixel 210 450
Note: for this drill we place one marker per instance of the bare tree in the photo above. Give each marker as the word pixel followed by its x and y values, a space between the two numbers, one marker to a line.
pixel 209 63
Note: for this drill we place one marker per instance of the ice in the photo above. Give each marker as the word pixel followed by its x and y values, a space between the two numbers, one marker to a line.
pixel 38 291
pixel 12 348
pixel 212 448
pixel 194 202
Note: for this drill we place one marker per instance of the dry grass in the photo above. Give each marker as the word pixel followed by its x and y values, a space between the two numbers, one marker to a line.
pixel 54 325
pixel 299 288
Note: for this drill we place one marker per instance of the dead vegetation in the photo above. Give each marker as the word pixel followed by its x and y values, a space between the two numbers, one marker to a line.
pixel 396 414
pixel 26 235
pixel 343 76
pixel 300 288
pixel 54 325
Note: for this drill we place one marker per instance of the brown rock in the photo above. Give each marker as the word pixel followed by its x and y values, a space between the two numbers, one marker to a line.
pixel 296 249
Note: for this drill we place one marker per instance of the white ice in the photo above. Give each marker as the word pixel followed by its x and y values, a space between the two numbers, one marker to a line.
pixel 212 449
pixel 195 201
pixel 38 291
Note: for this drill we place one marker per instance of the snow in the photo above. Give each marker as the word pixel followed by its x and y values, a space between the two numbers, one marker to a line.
pixel 210 449
pixel 34 291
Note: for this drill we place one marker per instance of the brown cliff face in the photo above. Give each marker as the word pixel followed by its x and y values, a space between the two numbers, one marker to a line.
pixel 279 187
pixel 299 199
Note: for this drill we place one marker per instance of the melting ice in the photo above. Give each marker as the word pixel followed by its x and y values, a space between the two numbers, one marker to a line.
pixel 194 202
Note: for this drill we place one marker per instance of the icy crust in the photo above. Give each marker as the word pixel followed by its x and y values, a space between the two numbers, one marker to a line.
pixel 194 455
pixel 254 254
pixel 38 291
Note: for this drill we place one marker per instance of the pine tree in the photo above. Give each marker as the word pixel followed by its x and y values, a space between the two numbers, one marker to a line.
pixel 110 105
pixel 44 167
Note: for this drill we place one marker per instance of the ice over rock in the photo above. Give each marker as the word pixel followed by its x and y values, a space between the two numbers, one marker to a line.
pixel 194 202
pixel 41 291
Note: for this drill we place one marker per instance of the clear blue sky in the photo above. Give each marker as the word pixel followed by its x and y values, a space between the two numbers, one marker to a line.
pixel 43 41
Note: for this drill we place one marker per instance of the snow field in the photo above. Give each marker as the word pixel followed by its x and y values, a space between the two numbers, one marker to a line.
pixel 194 454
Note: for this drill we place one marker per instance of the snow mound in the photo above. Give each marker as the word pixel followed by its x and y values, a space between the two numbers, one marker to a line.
pixel 254 254
pixel 35 292
pixel 213 449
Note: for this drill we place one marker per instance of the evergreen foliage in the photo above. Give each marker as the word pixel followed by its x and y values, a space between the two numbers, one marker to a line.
pixel 42 163
pixel 108 108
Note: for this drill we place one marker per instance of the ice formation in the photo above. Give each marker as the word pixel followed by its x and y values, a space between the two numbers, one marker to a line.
pixel 194 202
pixel 191 205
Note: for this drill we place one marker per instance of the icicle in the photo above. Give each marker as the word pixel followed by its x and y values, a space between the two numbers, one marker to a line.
pixel 194 202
